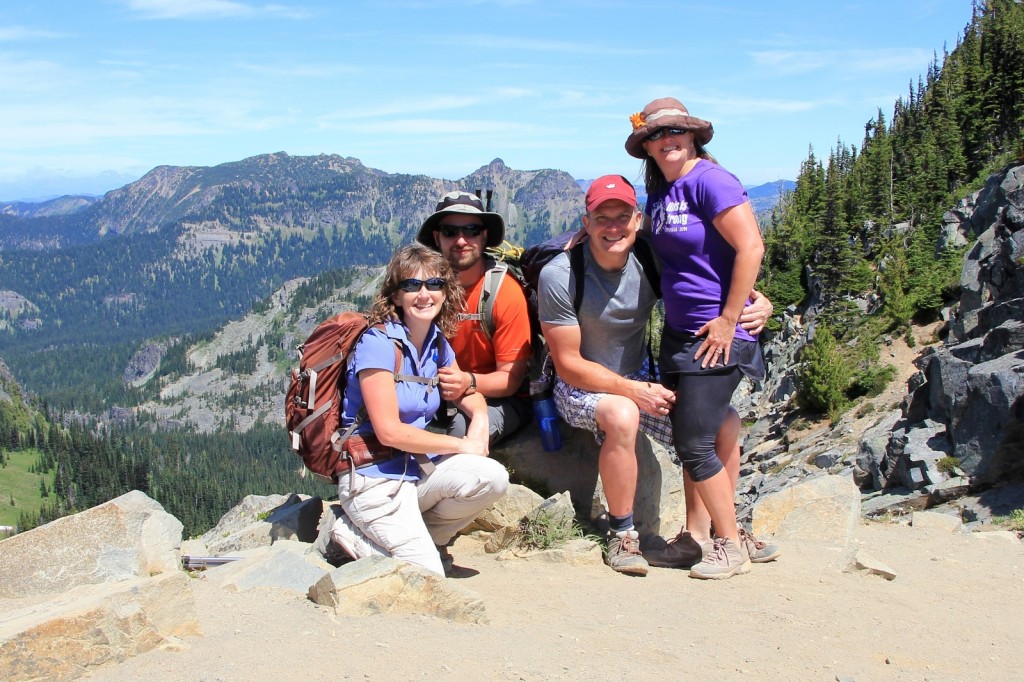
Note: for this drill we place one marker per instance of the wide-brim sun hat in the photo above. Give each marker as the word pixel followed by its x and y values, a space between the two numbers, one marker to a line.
pixel 461 203
pixel 665 112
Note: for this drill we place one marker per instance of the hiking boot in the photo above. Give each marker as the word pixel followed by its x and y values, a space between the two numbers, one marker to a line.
pixel 758 551
pixel 623 554
pixel 332 552
pixel 447 561
pixel 725 560
pixel 682 551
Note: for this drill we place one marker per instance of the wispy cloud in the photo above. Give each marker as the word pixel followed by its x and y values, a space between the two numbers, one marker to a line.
pixel 209 9
pixel 501 42
pixel 9 34
pixel 794 62
pixel 391 112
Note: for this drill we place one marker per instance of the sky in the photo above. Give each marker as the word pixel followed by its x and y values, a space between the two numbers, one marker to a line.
pixel 95 93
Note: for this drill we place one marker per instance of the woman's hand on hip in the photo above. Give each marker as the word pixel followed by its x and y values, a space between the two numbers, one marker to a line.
pixel 717 345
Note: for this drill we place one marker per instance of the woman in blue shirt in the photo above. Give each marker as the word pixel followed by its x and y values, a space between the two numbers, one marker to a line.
pixel 411 507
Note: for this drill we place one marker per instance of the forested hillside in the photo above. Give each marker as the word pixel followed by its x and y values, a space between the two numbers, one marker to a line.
pixel 860 238
pixel 184 249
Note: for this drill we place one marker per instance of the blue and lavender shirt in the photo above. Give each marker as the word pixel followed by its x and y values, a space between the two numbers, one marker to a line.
pixel 697 261
pixel 417 403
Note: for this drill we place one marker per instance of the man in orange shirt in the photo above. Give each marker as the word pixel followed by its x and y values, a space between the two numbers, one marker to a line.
pixel 494 365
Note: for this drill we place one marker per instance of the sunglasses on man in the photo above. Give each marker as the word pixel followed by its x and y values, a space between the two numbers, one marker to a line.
pixel 662 132
pixel 468 231
pixel 412 285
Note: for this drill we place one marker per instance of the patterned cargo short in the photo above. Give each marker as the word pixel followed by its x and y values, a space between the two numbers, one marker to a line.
pixel 578 408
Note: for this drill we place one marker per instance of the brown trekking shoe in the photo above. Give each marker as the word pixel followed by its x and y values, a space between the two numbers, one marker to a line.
pixel 682 551
pixel 759 552
pixel 725 560
pixel 623 553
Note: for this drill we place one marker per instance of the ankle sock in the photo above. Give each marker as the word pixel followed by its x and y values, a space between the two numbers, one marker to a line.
pixel 618 524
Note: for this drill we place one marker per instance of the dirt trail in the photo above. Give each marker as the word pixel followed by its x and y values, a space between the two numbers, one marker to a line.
pixel 952 613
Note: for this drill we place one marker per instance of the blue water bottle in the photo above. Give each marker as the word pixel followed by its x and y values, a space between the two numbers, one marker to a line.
pixel 546 414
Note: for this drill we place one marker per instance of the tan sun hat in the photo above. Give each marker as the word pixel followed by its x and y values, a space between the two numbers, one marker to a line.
pixel 462 203
pixel 666 112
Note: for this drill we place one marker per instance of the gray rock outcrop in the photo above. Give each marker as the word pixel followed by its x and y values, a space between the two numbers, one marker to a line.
pixel 968 401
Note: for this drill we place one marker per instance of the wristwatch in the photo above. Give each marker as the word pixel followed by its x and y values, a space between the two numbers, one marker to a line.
pixel 472 384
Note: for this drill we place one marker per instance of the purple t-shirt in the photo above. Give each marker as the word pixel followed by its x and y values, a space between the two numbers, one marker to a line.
pixel 697 260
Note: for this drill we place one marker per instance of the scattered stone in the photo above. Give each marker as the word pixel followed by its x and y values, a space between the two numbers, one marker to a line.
pixel 934 521
pixel 896 503
pixel 286 565
pixel 575 552
pixel 865 562
pixel 1000 535
pixel 382 585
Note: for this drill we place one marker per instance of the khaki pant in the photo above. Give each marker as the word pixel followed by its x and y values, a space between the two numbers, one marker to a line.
pixel 407 519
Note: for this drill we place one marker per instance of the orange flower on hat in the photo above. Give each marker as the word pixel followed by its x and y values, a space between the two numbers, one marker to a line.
pixel 637 119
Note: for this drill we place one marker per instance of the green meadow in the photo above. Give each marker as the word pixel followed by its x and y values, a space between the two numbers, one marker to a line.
pixel 17 483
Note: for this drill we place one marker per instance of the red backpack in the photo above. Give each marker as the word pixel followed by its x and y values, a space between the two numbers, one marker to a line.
pixel 312 407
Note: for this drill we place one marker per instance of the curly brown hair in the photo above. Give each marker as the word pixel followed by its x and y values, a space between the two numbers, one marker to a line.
pixel 406 262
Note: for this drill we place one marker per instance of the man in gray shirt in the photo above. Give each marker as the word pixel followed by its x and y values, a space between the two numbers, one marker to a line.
pixel 601 360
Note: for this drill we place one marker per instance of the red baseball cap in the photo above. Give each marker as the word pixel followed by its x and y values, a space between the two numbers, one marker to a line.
pixel 609 187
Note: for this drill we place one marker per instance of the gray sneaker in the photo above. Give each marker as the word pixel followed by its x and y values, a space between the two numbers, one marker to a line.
pixel 759 552
pixel 725 560
pixel 682 551
pixel 623 554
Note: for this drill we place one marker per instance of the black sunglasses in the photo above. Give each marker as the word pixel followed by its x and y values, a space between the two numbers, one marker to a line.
pixel 411 285
pixel 662 132
pixel 466 230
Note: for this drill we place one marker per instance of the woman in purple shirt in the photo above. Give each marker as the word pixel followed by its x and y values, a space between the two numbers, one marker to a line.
pixel 411 507
pixel 705 232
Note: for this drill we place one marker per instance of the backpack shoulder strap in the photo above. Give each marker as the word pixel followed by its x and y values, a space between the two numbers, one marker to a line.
pixel 429 382
pixel 493 278
pixel 644 254
pixel 576 268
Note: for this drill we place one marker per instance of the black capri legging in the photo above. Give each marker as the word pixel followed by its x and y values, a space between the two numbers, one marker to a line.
pixel 702 396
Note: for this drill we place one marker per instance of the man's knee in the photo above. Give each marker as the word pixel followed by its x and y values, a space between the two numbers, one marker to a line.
pixel 618 417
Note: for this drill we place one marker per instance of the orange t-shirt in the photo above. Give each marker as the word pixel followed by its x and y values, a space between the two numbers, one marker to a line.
pixel 511 341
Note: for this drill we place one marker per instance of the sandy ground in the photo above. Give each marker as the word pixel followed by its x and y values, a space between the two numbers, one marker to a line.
pixel 952 613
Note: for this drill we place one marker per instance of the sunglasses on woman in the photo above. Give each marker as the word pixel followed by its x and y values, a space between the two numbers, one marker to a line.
pixel 662 132
pixel 412 285
pixel 450 231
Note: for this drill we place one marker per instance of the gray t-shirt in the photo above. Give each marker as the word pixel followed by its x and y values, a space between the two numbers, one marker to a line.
pixel 613 315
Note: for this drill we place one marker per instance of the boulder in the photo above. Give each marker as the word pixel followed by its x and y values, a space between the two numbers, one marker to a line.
pixel 659 504
pixel 382 585
pixel 823 509
pixel 95 625
pixel 128 537
pixel 259 521
pixel 507 511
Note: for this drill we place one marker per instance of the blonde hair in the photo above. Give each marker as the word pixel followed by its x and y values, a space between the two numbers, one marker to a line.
pixel 406 263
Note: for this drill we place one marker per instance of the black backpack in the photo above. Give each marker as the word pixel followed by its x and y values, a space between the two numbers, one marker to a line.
pixel 525 265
